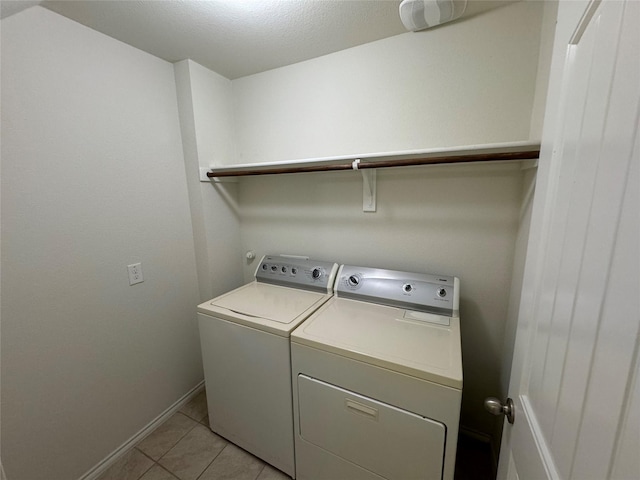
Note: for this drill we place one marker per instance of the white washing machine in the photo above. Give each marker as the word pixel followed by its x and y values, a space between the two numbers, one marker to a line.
pixel 377 377
pixel 246 354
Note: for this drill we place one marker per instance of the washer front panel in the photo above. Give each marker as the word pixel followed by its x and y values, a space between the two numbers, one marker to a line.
pixel 249 399
pixel 382 336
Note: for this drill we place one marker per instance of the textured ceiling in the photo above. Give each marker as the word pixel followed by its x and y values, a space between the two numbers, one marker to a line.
pixel 236 38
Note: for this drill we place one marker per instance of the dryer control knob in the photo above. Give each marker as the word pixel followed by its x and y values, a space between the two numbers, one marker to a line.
pixel 316 273
pixel 441 292
pixel 353 280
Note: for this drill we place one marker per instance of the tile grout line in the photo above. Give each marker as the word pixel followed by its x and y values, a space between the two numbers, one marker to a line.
pixel 168 471
pixel 214 458
pixel 157 462
pixel 198 422
pixel 178 441
pixel 152 465
pixel 136 448
pixel 261 470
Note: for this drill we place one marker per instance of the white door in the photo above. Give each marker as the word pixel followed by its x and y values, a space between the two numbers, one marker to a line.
pixel 575 381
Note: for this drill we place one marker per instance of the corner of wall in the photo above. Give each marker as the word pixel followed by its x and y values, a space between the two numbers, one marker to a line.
pixel 204 99
pixel 213 116
pixel 192 169
pixel 547 34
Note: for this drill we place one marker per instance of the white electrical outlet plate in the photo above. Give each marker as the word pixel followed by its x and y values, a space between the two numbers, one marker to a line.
pixel 135 273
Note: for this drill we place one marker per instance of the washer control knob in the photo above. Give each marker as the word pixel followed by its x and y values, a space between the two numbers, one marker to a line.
pixel 274 268
pixel 407 287
pixel 284 269
pixel 264 266
pixel 294 270
pixel 353 281
pixel 316 273
pixel 441 292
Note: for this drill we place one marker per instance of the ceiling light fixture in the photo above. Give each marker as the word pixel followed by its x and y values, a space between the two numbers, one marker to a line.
pixel 420 14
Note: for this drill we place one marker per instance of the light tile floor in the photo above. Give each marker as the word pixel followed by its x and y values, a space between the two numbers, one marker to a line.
pixel 183 448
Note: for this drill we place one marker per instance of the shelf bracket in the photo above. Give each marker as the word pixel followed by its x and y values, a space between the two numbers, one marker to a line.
pixel 204 177
pixel 368 187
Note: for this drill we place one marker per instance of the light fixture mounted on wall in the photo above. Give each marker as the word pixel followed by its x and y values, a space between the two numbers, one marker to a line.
pixel 417 15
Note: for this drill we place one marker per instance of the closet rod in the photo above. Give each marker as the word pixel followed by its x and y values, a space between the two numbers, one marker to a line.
pixel 364 163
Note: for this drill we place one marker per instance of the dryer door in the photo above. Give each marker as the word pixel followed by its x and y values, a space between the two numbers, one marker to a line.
pixel 393 443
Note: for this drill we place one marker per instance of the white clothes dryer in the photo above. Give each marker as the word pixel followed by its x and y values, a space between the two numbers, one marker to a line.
pixel 377 376
pixel 244 336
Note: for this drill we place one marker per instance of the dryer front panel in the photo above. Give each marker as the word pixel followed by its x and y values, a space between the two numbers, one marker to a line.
pixel 378 437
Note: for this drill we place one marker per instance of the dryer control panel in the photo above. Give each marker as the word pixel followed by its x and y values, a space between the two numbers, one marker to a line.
pixel 305 274
pixel 438 294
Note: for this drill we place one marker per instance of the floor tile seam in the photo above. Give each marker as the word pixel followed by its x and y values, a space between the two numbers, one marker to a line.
pixel 135 447
pixel 214 458
pixel 173 446
pixel 168 471
pixel 193 418
pixel 178 441
pixel 261 470
pixel 150 466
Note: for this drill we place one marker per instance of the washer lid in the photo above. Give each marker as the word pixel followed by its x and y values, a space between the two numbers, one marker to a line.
pixel 268 307
pixel 386 337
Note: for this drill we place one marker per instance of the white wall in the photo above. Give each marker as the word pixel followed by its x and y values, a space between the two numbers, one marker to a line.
pixel 547 34
pixel 204 102
pixel 470 82
pixel 93 179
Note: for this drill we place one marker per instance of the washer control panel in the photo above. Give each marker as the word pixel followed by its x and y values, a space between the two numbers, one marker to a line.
pixel 437 294
pixel 297 272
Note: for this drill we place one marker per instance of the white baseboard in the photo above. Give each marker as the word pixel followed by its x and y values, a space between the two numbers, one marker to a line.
pixel 114 456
